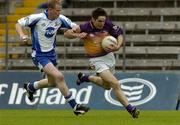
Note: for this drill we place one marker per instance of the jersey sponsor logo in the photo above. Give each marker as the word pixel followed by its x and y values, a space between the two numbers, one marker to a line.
pixel 43 24
pixel 138 91
pixel 49 32
pixel 57 23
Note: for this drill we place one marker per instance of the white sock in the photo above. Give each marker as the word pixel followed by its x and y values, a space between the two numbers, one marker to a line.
pixel 36 85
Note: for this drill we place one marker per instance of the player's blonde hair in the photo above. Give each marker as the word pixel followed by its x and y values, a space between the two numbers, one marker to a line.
pixel 52 3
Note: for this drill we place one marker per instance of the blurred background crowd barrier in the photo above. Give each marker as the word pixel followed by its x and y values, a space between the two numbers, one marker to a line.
pixel 151 34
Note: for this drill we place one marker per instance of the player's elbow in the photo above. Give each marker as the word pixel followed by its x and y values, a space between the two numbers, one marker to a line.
pixel 18 26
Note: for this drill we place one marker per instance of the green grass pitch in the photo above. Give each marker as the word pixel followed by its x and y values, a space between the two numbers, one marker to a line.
pixel 93 117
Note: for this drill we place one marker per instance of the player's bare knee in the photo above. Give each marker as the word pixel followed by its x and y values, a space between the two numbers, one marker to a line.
pixel 59 77
pixel 115 85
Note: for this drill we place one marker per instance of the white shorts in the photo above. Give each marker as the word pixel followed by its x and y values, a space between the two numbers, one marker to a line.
pixel 103 63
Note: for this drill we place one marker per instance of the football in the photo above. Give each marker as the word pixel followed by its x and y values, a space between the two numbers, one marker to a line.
pixel 108 41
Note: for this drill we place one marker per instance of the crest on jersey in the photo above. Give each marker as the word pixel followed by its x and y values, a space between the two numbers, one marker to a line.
pixel 49 32
pixel 115 27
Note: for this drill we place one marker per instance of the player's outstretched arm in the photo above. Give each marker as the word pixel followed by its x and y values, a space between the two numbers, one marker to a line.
pixel 75 32
pixel 22 35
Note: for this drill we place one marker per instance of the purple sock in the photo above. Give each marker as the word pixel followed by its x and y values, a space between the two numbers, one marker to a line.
pixel 129 108
pixel 85 78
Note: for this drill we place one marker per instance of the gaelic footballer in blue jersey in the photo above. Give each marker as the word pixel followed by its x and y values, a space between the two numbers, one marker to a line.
pixel 102 60
pixel 44 28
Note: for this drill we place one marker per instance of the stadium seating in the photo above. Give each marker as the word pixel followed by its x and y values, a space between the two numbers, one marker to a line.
pixel 152 35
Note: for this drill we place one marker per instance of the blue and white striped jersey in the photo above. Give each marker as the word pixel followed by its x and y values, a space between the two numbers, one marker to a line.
pixel 43 30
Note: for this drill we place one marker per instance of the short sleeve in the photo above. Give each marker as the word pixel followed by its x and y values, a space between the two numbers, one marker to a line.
pixel 84 27
pixel 66 22
pixel 114 30
pixel 29 20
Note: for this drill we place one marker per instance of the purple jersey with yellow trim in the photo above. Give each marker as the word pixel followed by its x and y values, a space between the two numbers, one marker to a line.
pixel 92 42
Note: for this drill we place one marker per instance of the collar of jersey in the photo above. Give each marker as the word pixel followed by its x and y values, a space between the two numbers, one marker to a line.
pixel 46 13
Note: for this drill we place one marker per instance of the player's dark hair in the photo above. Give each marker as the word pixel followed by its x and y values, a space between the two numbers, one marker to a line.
pixel 99 12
